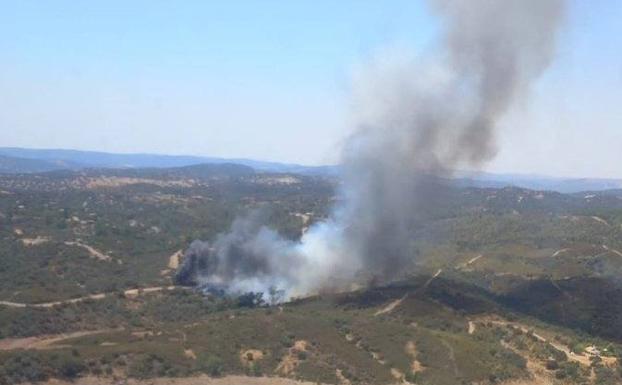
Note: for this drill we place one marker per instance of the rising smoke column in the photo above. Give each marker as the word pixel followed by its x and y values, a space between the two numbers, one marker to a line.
pixel 415 120
pixel 421 119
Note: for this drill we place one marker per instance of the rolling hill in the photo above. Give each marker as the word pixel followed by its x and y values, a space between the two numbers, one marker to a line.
pixel 508 285
pixel 20 160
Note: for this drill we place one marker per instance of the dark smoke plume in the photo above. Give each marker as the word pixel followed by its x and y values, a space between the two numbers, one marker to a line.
pixel 416 119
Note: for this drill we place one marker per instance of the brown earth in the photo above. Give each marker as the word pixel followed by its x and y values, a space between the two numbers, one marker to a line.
pixel 290 361
pixel 38 240
pixel 250 356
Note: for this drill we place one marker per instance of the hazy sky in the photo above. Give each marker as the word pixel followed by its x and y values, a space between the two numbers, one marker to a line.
pixel 271 79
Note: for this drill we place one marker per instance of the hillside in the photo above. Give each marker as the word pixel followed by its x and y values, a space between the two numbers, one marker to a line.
pixel 16 165
pixel 75 159
pixel 508 285
pixel 40 160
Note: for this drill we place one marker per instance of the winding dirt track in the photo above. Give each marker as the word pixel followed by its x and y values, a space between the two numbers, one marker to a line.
pixel 581 359
pixel 127 293
pixel 46 341
pixel 394 304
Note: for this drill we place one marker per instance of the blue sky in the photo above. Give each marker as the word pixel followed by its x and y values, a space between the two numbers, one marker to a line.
pixel 271 79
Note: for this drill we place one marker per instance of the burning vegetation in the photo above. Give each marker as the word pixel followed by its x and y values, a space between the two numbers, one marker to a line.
pixel 417 121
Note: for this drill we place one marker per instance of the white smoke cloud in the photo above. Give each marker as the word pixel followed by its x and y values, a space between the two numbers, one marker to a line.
pixel 416 119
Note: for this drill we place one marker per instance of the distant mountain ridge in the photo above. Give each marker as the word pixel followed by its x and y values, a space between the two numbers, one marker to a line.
pixel 76 159
pixel 538 182
pixel 13 165
pixel 25 160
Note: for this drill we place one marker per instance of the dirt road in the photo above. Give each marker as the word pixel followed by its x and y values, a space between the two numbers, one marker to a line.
pixel 128 293
pixel 391 306
pixel 581 359
pixel 46 341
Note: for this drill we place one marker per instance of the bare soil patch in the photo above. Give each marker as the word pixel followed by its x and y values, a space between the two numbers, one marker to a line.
pixel 471 327
pixel 38 240
pixel 250 356
pixel 189 353
pixel 341 379
pixel 174 260
pixel 411 350
pixel 114 182
pixel 290 361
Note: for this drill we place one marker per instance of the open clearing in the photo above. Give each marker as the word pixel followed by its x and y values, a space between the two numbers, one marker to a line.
pixel 38 240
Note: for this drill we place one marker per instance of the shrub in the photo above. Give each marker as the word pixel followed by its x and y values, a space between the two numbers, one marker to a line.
pixel 287 341
pixel 213 366
pixel 606 376
pixel 255 370
pixel 569 370
pixel 69 367
pixel 552 365
pixel 147 366
pixel 23 367
pixel 250 299
pixel 412 377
